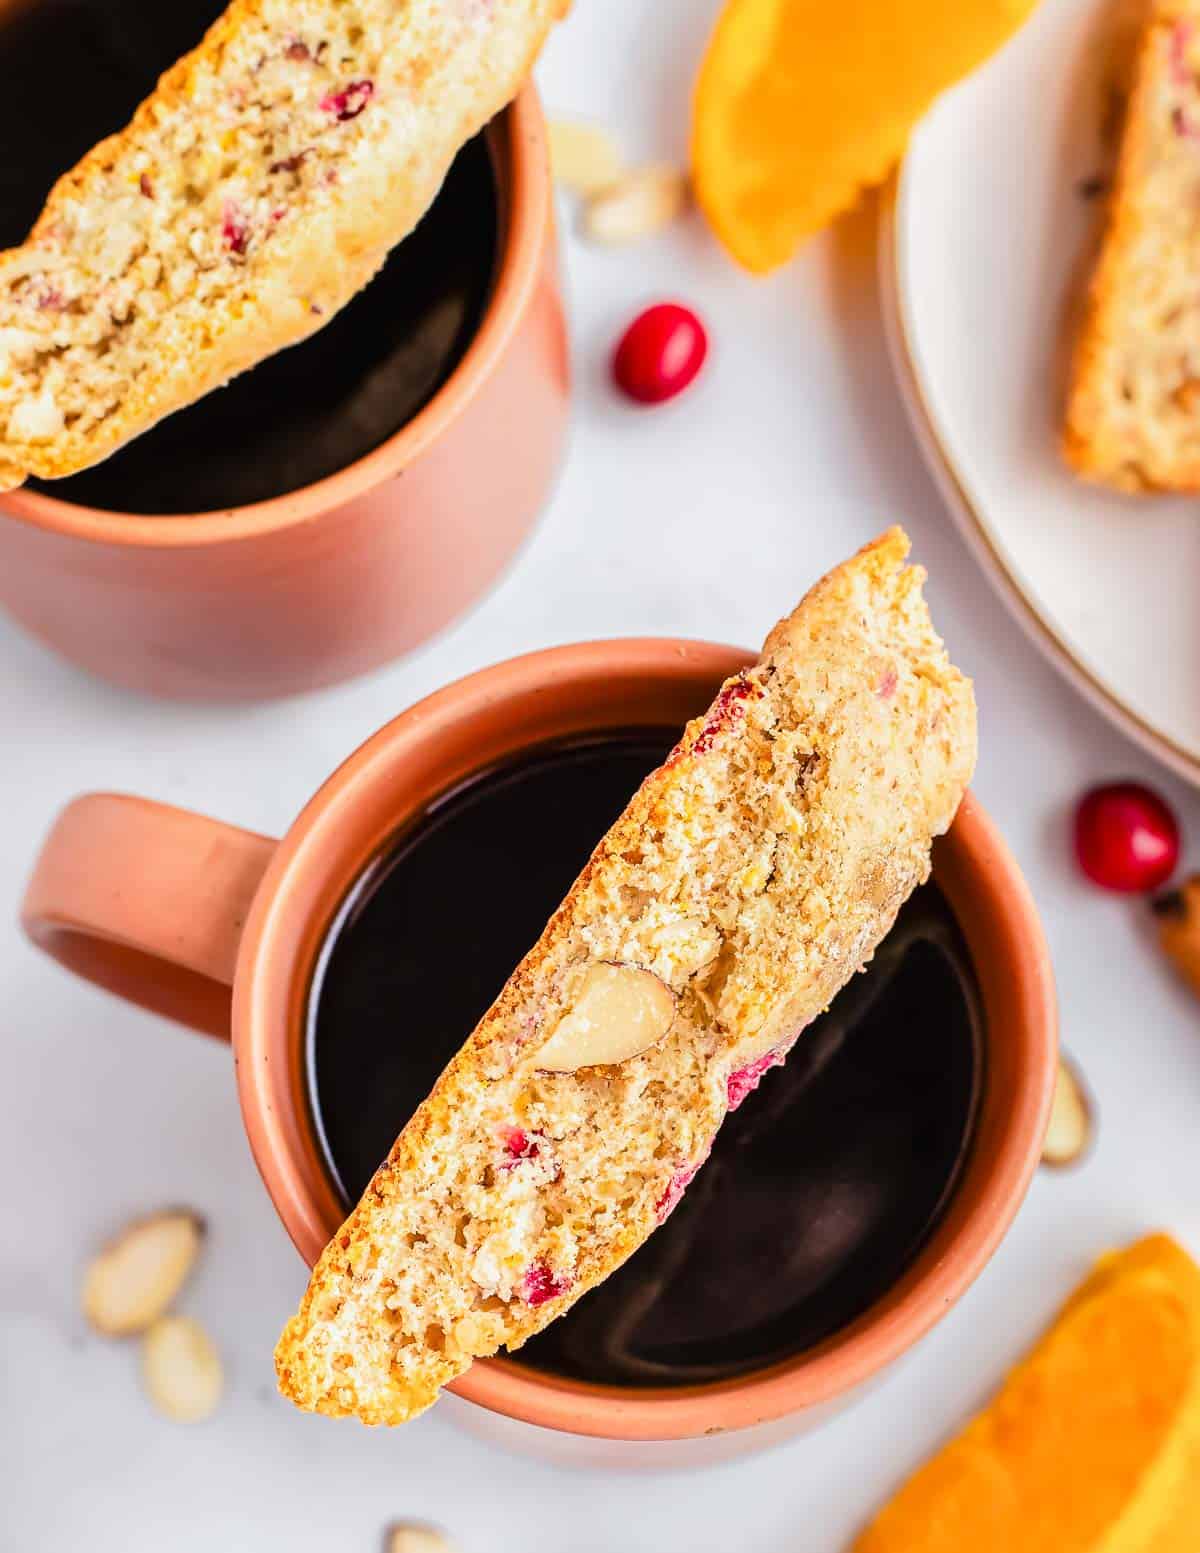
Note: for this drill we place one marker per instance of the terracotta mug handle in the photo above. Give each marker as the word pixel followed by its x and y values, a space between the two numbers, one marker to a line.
pixel 147 901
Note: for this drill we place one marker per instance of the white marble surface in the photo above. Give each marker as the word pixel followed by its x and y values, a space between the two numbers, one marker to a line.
pixel 706 519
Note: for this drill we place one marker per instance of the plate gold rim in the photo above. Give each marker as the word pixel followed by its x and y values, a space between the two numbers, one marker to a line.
pixel 972 523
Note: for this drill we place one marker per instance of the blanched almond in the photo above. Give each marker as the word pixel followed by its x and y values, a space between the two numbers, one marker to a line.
pixel 636 206
pixel 583 158
pixel 134 1279
pixel 1070 1131
pixel 181 1369
pixel 409 1537
pixel 619 1011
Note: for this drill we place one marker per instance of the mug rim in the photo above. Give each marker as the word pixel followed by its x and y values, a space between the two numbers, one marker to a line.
pixel 525 199
pixel 929 1285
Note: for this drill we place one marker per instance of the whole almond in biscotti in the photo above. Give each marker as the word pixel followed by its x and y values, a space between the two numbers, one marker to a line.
pixel 258 188
pixel 748 879
pixel 616 1012
pixel 135 1278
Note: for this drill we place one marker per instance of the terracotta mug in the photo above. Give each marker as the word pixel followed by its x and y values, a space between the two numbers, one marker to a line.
pixel 334 579
pixel 225 927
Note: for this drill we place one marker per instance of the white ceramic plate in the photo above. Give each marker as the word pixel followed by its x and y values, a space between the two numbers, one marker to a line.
pixel 986 238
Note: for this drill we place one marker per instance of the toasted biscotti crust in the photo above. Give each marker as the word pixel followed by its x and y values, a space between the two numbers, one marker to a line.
pixel 750 875
pixel 1133 406
pixel 259 187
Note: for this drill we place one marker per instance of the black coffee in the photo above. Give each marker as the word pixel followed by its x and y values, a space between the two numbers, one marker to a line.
pixel 821 1187
pixel 73 71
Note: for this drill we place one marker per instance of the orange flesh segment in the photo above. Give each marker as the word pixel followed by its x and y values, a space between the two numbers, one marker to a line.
pixel 800 105
pixel 1093 1443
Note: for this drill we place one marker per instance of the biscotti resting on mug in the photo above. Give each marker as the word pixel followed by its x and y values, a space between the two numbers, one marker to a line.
pixel 259 187
pixel 1133 411
pixel 749 878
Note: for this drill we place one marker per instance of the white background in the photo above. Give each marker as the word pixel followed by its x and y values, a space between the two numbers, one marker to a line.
pixel 706 519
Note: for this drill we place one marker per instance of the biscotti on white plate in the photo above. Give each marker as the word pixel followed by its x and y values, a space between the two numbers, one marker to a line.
pixel 251 196
pixel 749 878
pixel 1133 411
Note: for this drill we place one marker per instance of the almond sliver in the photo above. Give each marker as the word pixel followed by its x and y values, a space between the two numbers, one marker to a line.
pixel 583 158
pixel 638 205
pixel 134 1279
pixel 181 1369
pixel 411 1537
pixel 1070 1131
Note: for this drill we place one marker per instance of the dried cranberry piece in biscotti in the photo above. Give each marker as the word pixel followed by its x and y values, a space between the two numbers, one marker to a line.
pixel 746 1080
pixel 350 101
pixel 541 1284
pixel 290 164
pixel 676 1187
pixel 519 1145
pixel 726 710
pixel 235 234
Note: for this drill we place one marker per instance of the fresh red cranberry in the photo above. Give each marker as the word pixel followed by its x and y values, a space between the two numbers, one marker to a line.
pixel 660 353
pixel 1126 838
pixel 746 1080
pixel 350 101
pixel 541 1284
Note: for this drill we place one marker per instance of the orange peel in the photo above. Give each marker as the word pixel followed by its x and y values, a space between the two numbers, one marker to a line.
pixel 800 104
pixel 1092 1445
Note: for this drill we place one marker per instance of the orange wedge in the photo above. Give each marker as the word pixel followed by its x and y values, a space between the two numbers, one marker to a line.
pixel 802 103
pixel 1093 1443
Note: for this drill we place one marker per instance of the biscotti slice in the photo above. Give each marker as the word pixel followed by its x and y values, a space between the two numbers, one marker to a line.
pixel 251 196
pixel 750 876
pixel 1133 411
